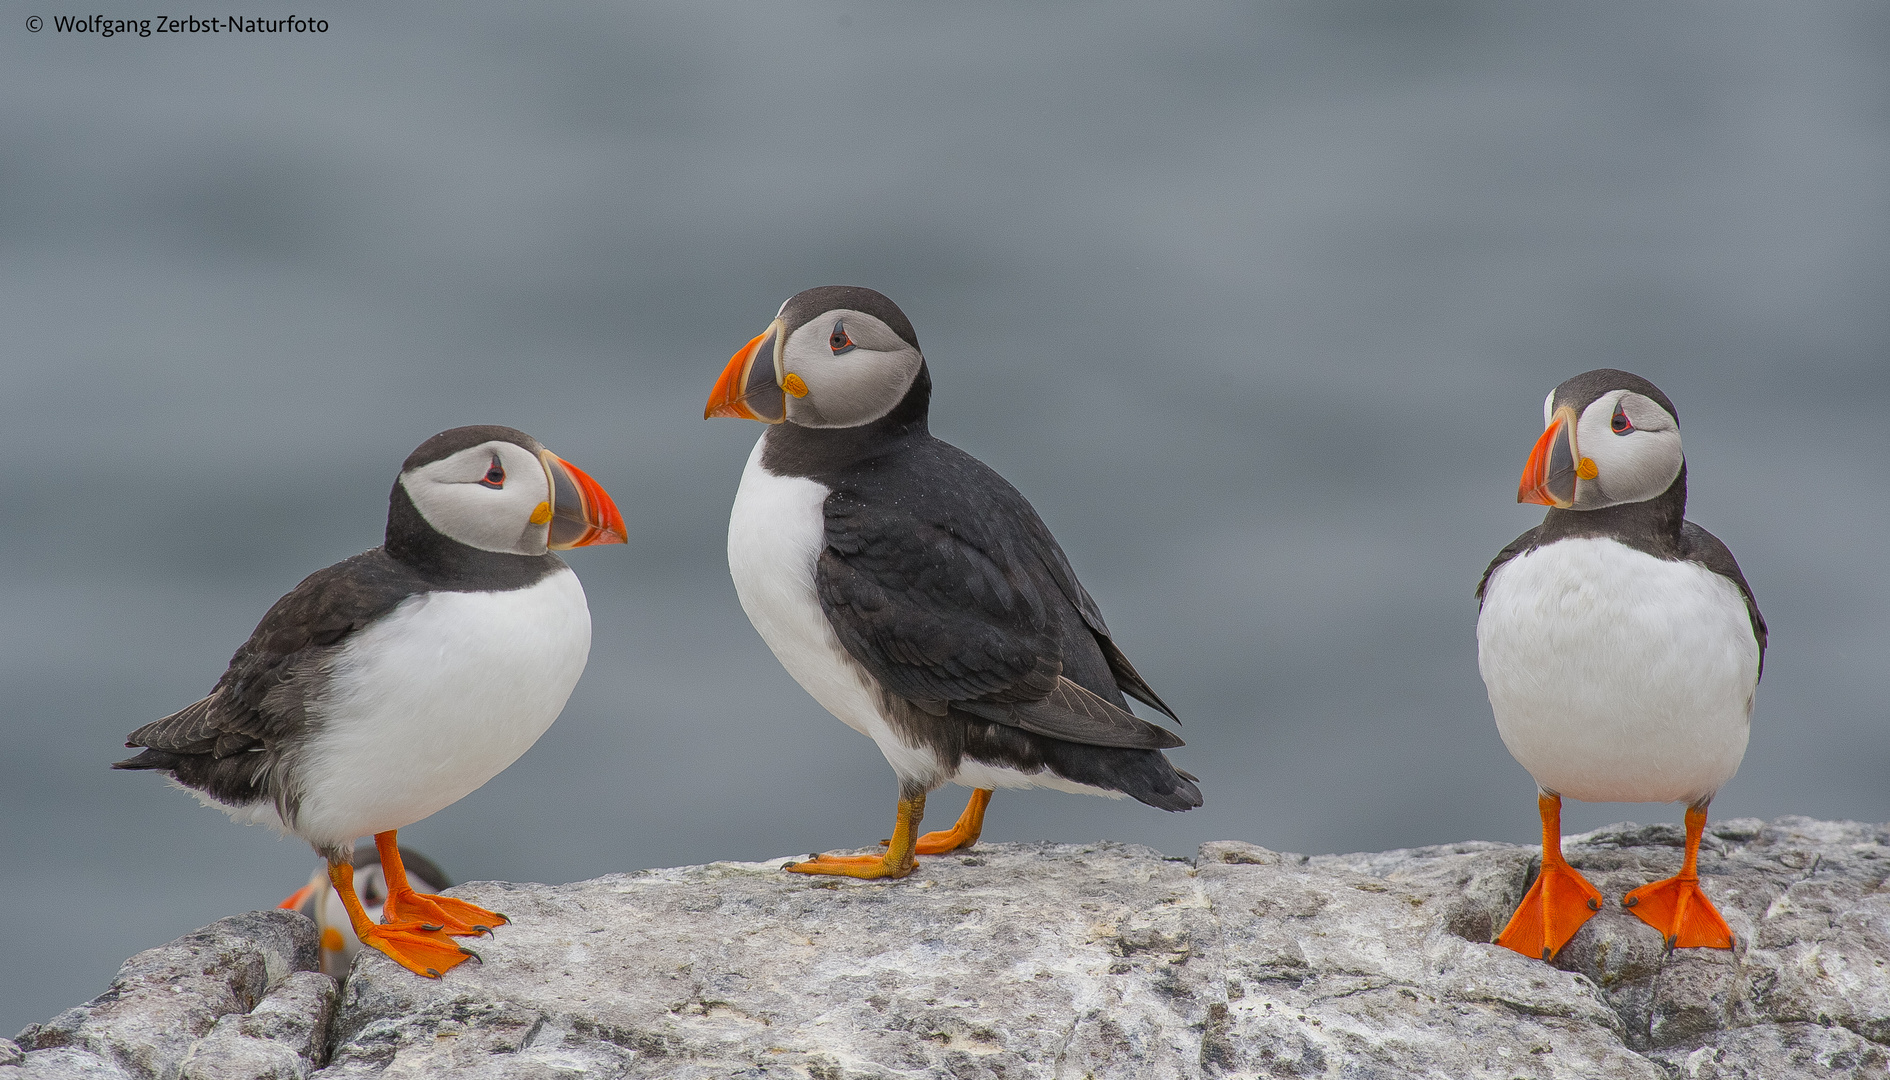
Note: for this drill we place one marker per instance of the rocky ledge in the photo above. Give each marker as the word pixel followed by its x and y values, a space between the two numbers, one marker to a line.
pixel 1055 960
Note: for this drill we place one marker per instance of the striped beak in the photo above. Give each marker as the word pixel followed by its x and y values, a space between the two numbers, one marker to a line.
pixel 581 511
pixel 750 385
pixel 1554 466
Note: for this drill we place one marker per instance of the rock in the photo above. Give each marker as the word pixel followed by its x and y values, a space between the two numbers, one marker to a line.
pixel 1042 960
pixel 236 991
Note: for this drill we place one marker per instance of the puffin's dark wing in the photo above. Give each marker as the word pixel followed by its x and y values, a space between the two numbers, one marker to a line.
pixel 1516 547
pixel 1074 714
pixel 947 601
pixel 1700 546
pixel 1037 536
pixel 213 743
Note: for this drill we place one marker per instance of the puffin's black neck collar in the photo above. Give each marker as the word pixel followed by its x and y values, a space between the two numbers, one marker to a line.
pixel 793 450
pixel 1652 526
pixel 451 565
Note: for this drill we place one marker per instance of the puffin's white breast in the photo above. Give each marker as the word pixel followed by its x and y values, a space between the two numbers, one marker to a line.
pixel 776 531
pixel 436 698
pixel 1618 676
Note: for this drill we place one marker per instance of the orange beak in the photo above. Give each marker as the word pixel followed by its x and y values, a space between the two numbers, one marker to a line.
pixel 582 513
pixel 1549 478
pixel 748 387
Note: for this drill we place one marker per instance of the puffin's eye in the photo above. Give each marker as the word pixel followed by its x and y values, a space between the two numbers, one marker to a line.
pixel 1620 424
pixel 495 475
pixel 839 342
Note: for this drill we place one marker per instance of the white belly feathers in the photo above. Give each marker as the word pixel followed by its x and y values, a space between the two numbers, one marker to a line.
pixel 433 700
pixel 1616 676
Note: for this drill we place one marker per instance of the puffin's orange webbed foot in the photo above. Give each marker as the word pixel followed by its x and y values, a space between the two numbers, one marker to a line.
pixel 423 952
pixel 896 863
pixel 405 904
pixel 1558 903
pixel 1677 907
pixel 455 916
pixel 866 867
pixel 1556 906
pixel 961 835
pixel 1681 912
pixel 422 948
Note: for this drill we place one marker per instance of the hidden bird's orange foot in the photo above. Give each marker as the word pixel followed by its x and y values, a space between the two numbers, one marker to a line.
pixel 424 952
pixel 1681 912
pixel 1555 907
pixel 961 835
pixel 453 915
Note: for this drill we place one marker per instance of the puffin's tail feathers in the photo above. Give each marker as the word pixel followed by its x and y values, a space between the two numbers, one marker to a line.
pixel 150 759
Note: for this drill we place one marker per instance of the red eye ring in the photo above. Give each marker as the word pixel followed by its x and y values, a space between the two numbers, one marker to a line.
pixel 495 475
pixel 838 341
pixel 1619 422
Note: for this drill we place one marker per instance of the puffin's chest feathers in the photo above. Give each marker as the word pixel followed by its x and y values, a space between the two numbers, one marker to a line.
pixel 1598 609
pixel 776 531
pixel 438 697
pixel 1614 674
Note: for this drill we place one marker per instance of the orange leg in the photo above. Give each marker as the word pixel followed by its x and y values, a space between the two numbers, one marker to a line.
pixel 1558 903
pixel 406 905
pixel 896 863
pixel 1677 907
pixel 962 835
pixel 413 946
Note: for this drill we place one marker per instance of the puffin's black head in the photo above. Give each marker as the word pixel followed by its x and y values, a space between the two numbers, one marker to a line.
pixel 838 356
pixel 497 489
pixel 1611 437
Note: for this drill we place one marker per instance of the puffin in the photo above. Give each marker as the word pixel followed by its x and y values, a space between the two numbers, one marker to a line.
pixel 914 593
pixel 318 900
pixel 390 685
pixel 1621 648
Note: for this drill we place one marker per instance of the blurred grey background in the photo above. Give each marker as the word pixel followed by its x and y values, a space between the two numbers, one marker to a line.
pixel 1256 302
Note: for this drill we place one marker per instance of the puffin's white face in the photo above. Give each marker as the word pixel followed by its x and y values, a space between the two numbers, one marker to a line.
pixel 495 497
pixel 1623 447
pixel 844 369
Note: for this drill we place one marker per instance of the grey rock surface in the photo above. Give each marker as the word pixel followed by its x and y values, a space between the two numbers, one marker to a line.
pixel 1025 960
pixel 239 990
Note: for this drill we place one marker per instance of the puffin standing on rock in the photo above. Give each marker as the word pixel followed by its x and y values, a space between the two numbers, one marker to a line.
pixel 913 592
pixel 1621 647
pixel 391 685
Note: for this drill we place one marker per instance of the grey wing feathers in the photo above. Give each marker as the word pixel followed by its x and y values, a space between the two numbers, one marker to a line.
pixel 1072 713
pixel 223 743
pixel 1128 679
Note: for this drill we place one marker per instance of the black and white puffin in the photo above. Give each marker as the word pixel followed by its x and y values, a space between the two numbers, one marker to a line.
pixel 1621 648
pixel 913 592
pixel 392 684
